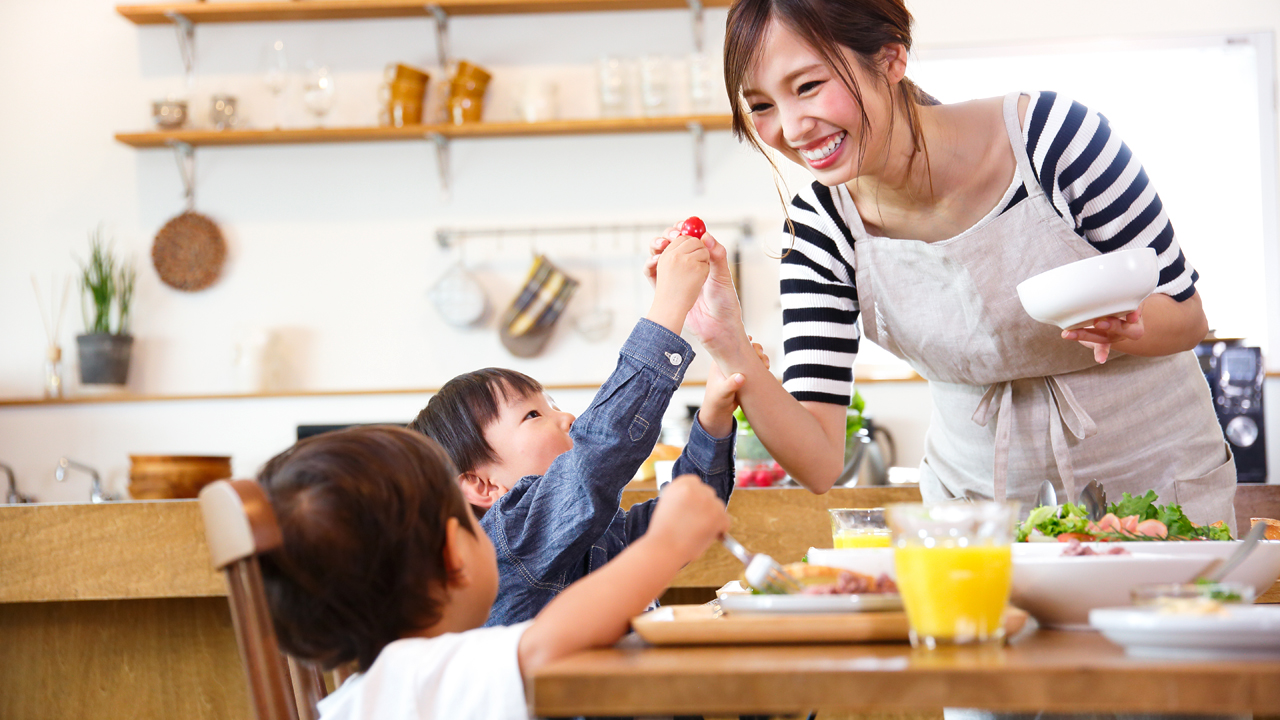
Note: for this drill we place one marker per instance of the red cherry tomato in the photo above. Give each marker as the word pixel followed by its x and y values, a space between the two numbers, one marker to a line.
pixel 693 227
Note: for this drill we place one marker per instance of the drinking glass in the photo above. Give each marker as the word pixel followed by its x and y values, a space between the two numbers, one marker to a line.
pixel 858 528
pixel 954 566
pixel 613 86
pixel 654 85
pixel 275 74
pixel 318 93
pixel 703 78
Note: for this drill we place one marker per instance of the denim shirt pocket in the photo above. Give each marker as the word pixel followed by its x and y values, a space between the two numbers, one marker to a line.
pixel 639 426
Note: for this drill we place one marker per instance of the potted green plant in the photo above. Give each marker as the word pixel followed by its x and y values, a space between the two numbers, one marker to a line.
pixel 106 286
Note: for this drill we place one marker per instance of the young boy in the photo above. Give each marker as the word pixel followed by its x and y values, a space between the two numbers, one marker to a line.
pixel 383 563
pixel 549 484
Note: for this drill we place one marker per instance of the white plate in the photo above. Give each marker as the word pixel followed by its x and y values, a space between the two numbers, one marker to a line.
pixel 769 604
pixel 1243 632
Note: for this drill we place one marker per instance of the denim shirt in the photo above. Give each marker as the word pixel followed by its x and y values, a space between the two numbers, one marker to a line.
pixel 551 530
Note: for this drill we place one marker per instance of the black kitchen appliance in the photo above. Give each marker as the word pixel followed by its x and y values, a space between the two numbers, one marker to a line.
pixel 306 431
pixel 1236 375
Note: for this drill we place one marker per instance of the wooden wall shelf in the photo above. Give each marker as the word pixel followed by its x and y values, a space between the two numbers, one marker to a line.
pixel 205 138
pixel 230 12
pixel 126 397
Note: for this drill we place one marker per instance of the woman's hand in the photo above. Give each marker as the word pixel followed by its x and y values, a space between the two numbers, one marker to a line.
pixel 716 317
pixel 1106 331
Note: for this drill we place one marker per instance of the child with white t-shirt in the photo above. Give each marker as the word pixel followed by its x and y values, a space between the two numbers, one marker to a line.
pixel 384 564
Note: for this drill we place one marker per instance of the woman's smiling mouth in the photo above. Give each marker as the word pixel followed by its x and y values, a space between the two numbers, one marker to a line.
pixel 819 156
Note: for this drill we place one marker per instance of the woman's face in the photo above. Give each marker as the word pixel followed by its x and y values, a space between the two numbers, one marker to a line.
pixel 801 108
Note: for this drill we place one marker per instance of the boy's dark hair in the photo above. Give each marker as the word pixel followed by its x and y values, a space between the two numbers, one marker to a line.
pixel 456 416
pixel 363 512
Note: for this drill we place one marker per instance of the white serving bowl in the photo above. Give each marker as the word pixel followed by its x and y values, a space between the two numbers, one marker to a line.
pixel 1112 284
pixel 1059 592
pixel 868 561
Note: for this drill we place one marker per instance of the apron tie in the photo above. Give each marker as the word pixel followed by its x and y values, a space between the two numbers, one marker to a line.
pixel 1070 415
pixel 1004 427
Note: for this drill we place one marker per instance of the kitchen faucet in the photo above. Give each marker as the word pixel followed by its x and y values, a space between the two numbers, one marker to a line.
pixel 96 495
pixel 13 497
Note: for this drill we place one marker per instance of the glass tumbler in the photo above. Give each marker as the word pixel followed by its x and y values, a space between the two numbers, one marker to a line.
pixel 612 76
pixel 655 85
pixel 858 528
pixel 954 565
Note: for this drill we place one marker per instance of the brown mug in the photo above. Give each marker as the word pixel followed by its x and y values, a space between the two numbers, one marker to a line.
pixel 403 95
pixel 466 93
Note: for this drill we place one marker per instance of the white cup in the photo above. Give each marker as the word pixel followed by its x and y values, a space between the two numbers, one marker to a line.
pixel 662 472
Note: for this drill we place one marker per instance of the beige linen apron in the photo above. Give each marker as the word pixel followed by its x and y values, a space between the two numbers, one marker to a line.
pixel 1014 403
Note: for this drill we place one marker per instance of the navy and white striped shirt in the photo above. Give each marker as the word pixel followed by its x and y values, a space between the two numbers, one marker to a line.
pixel 1087 172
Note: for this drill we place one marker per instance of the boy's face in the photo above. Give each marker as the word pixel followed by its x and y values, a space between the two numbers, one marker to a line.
pixel 528 434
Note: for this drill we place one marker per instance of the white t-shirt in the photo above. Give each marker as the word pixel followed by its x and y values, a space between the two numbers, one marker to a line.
pixel 475 674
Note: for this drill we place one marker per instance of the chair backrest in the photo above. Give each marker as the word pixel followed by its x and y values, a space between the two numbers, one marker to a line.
pixel 240 525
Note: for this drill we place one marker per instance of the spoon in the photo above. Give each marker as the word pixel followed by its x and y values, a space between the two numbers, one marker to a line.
pixel 1094 499
pixel 1046 496
pixel 1218 569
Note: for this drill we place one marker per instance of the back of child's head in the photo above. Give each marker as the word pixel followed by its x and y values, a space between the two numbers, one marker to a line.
pixel 363 513
pixel 456 417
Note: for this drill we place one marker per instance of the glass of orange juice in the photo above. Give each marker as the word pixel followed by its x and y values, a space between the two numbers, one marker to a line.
pixel 858 528
pixel 954 566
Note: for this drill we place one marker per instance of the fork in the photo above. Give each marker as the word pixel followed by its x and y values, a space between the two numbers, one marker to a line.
pixel 763 572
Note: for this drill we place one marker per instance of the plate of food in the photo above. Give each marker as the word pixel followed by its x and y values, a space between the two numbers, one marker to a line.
pixel 823 590
pixel 1236 632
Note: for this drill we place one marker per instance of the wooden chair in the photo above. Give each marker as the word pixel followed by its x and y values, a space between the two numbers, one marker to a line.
pixel 240 525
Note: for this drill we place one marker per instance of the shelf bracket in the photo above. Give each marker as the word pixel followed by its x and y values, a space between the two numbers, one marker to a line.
pixel 699 141
pixel 695 8
pixel 442 161
pixel 186 31
pixel 442 34
pixel 185 155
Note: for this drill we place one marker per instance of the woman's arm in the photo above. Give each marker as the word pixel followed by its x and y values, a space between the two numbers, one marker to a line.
pixel 806 438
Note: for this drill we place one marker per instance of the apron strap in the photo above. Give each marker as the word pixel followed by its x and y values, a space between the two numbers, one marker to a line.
pixel 1014 130
pixel 1070 416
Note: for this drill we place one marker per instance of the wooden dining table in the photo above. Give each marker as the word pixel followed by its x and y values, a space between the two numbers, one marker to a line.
pixel 1037 670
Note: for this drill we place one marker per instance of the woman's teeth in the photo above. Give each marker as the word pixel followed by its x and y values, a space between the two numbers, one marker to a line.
pixel 822 152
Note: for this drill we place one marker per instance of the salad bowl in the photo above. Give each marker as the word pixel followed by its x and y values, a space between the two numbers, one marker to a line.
pixel 1059 591
pixel 1072 295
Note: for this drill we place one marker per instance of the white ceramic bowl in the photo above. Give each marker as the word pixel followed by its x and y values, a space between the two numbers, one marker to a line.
pixel 868 561
pixel 1060 591
pixel 1070 296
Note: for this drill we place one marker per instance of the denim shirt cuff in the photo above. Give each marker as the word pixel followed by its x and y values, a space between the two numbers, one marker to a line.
pixel 710 455
pixel 659 348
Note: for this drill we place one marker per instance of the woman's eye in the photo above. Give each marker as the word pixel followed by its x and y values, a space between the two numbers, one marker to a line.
pixel 809 87
pixel 759 107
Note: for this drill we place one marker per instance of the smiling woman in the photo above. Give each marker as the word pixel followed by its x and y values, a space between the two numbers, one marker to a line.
pixel 923 218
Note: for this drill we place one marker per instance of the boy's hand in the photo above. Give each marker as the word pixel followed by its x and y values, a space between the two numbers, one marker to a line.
pixel 721 398
pixel 689 517
pixel 681 270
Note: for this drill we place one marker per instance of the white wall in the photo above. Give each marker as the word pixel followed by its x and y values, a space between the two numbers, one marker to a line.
pixel 331 245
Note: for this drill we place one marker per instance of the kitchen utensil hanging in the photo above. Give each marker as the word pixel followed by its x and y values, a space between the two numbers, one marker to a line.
pixel 459 297
pixel 596 323
pixel 189 250
pixel 527 324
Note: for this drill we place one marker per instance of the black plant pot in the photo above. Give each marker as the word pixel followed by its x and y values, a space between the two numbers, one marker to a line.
pixel 104 358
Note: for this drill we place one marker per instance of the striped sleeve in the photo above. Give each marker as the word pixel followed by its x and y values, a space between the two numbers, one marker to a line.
pixel 819 300
pixel 1095 183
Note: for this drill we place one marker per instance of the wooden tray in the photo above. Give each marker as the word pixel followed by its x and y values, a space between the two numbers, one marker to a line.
pixel 701 625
